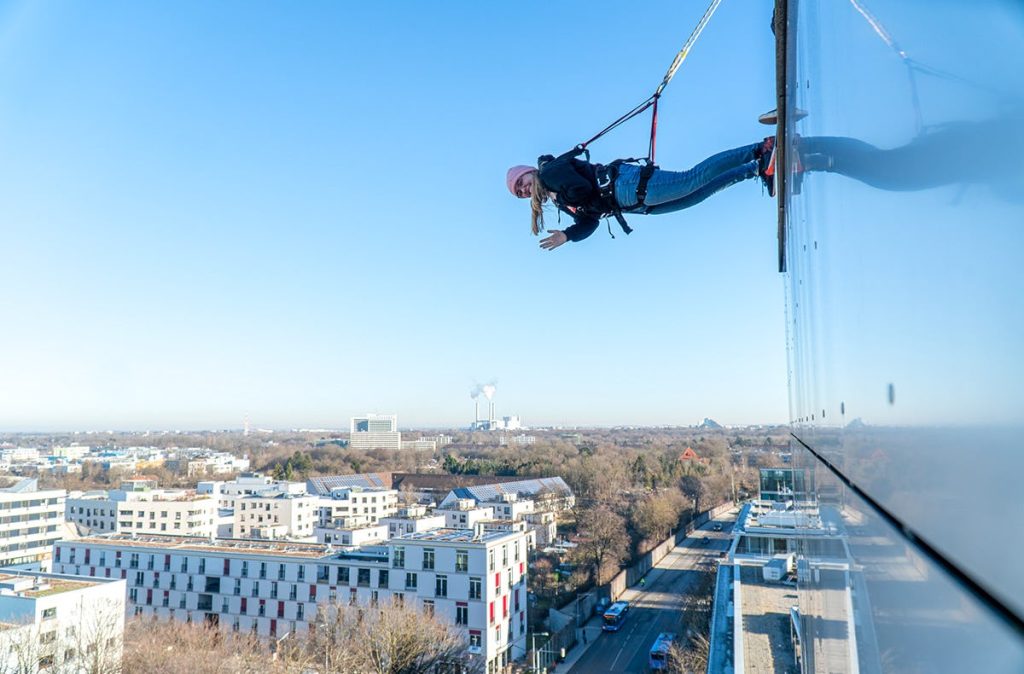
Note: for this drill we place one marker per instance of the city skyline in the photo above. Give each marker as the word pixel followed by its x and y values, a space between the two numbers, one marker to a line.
pixel 214 212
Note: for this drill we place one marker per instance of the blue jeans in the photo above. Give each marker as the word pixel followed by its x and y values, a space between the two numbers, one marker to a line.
pixel 669 191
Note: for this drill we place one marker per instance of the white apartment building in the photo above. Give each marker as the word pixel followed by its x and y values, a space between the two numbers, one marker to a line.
pixel 421 445
pixel 275 515
pixel 71 452
pixel 375 431
pixel 475 579
pixel 51 622
pixel 544 526
pixel 509 506
pixel 412 520
pixel 464 513
pixel 354 505
pixel 30 523
pixel 137 507
pixel 377 533
pixel 247 484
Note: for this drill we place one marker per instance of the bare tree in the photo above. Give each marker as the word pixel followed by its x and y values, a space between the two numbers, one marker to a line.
pixel 389 638
pixel 656 515
pixel 604 543
pixel 173 647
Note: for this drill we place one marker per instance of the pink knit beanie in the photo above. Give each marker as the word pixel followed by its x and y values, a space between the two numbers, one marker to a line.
pixel 514 174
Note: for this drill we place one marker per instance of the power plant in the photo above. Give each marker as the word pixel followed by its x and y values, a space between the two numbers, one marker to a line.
pixel 490 423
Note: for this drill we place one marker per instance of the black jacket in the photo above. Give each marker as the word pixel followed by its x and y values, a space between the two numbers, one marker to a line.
pixel 574 182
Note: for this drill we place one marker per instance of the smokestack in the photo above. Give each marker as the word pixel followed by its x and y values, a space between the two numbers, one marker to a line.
pixel 476 410
pixel 490 418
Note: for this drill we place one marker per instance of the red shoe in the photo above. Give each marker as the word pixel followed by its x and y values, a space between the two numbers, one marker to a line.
pixel 766 169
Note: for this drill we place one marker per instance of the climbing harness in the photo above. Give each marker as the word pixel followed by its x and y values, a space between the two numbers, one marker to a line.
pixel 647 166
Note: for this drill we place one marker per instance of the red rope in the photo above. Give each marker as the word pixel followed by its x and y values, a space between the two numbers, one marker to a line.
pixel 654 130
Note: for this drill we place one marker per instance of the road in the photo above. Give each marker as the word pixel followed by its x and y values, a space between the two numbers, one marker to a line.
pixel 656 608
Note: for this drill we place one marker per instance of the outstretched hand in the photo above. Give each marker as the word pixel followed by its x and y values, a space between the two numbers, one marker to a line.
pixel 556 239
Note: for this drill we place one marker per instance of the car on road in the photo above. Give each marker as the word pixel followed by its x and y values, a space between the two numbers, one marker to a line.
pixel 705 540
pixel 717 526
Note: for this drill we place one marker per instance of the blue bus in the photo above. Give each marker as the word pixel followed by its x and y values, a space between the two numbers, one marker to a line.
pixel 615 615
pixel 660 650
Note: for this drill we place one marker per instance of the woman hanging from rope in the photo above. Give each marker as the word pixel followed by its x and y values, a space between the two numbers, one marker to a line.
pixel 587 192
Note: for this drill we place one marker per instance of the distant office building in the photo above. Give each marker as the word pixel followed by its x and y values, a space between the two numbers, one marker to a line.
pixel 32 521
pixel 421 445
pixel 375 431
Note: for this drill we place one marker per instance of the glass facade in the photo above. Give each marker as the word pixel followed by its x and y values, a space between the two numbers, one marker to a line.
pixel 904 245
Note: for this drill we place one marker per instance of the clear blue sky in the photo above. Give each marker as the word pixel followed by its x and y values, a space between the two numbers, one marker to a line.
pixel 297 212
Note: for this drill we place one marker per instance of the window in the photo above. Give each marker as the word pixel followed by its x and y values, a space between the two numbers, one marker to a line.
pixel 475 588
pixel 462 560
pixel 343 575
pixel 428 558
pixel 48 637
pixel 461 614
pixel 49 613
pixel 504 555
pixel 363 578
pixel 382 578
pixel 410 581
pixel 398 558
pixel 474 638
pixel 490 560
pixel 245 569
pixel 441 586
pixel 428 607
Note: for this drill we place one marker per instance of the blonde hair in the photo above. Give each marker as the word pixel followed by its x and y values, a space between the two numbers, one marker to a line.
pixel 538 195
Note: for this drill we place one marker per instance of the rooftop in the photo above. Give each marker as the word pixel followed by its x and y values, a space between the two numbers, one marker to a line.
pixel 766 642
pixel 35 586
pixel 457 536
pixel 244 546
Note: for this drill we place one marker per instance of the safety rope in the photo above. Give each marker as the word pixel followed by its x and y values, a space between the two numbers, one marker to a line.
pixel 913 66
pixel 652 100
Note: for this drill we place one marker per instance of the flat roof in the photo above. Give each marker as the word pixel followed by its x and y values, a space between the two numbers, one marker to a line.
pixel 766 642
pixel 244 546
pixel 47 584
pixel 457 535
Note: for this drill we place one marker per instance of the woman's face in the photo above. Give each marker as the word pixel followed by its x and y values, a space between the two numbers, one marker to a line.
pixel 524 186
